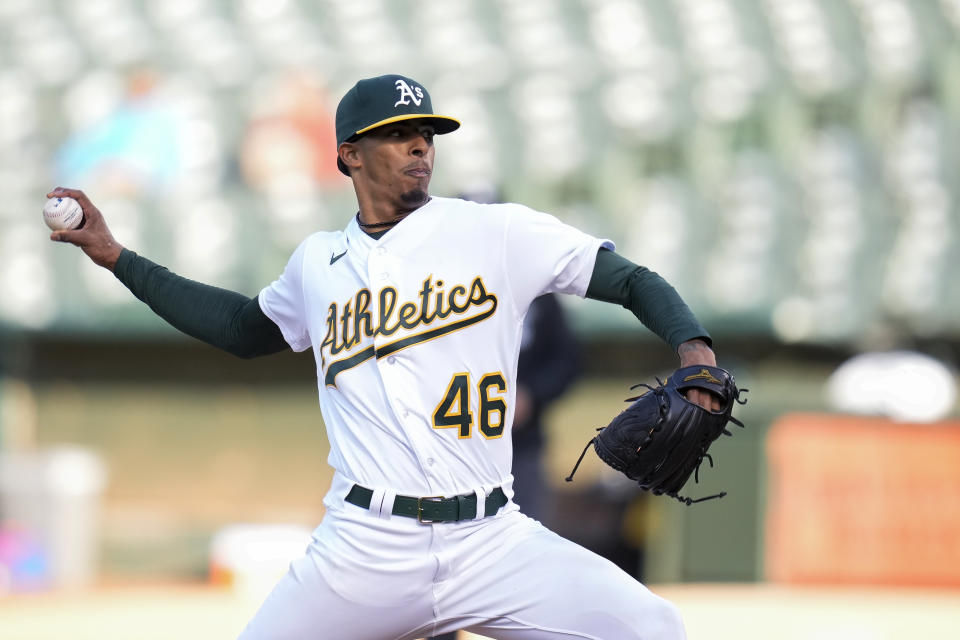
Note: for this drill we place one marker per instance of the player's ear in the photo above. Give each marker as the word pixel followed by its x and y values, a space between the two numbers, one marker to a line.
pixel 349 154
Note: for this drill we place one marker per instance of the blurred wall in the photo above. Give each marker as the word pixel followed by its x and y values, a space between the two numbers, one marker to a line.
pixel 787 164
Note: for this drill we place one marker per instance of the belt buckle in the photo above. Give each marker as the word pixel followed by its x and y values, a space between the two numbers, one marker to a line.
pixel 420 508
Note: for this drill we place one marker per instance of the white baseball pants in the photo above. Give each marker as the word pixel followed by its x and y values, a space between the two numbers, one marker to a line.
pixel 370 577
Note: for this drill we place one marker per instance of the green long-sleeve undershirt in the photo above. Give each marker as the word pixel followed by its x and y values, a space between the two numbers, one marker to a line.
pixel 235 323
pixel 651 298
pixel 225 319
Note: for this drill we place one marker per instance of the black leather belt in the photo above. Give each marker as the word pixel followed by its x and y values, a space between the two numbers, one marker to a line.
pixel 431 509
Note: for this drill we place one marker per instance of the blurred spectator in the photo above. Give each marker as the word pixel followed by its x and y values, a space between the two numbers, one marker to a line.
pixel 290 134
pixel 608 517
pixel 549 363
pixel 135 145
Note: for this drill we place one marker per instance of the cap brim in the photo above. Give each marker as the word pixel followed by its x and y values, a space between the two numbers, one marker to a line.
pixel 441 124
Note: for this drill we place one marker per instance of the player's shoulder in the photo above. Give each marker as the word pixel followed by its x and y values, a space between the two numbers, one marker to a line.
pixel 489 212
pixel 318 243
pixel 323 239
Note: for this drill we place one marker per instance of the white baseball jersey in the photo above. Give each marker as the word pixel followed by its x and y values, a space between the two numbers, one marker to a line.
pixel 416 336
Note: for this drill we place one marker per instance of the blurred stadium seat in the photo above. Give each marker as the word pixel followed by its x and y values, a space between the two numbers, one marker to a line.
pixel 800 145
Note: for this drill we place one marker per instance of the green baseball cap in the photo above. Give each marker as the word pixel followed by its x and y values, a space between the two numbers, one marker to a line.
pixel 374 102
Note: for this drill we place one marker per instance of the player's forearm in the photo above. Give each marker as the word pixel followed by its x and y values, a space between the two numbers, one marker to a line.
pixel 655 303
pixel 222 318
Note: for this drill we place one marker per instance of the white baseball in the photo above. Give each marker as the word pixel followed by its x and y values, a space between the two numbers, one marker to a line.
pixel 62 213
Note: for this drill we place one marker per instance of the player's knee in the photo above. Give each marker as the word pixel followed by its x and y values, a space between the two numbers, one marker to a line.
pixel 664 622
pixel 657 619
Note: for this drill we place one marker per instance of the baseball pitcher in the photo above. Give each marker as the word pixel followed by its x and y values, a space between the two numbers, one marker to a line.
pixel 414 313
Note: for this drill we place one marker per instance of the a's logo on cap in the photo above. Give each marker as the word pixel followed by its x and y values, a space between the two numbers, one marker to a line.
pixel 407 94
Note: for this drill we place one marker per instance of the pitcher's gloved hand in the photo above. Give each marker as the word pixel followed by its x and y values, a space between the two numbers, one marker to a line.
pixel 662 438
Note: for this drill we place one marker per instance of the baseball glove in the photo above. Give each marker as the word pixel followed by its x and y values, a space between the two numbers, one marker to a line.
pixel 662 438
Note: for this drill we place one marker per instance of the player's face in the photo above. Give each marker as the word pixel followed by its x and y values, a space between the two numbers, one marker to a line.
pixel 398 160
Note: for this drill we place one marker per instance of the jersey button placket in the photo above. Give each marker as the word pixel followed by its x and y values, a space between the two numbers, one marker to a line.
pixel 377 267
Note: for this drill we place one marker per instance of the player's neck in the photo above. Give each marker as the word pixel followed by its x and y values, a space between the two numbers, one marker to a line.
pixel 377 215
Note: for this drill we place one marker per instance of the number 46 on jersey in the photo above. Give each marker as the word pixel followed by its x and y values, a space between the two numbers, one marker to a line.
pixel 454 410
